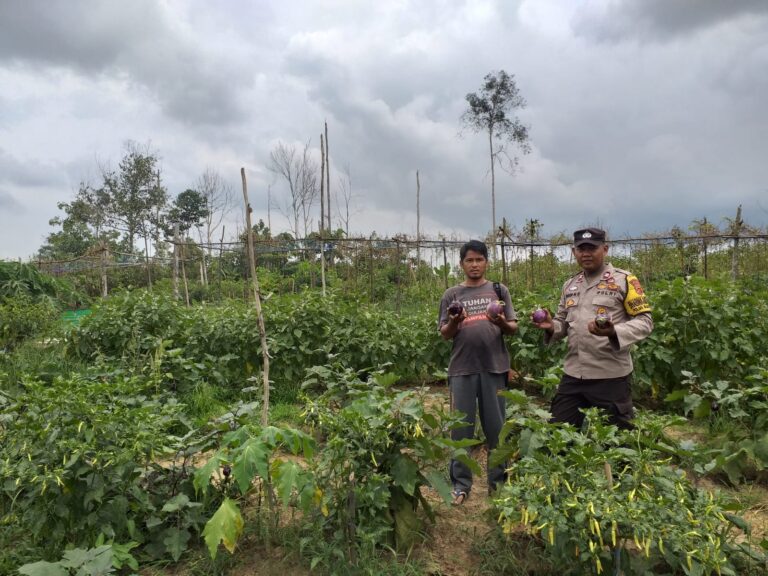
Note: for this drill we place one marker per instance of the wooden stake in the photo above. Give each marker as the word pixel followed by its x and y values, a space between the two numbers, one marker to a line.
pixel 257 302
pixel 322 185
pixel 184 274
pixel 737 224
pixel 328 176
pixel 104 287
pixel 176 262
pixel 418 222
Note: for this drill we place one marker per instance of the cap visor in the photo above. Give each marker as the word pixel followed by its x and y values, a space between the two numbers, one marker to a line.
pixel 590 242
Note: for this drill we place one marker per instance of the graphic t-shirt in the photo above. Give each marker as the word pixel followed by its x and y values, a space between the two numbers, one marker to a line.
pixel 478 345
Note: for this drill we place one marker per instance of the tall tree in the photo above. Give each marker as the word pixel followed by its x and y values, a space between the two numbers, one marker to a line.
pixel 344 196
pixel 135 193
pixel 217 194
pixel 491 110
pixel 299 171
pixel 83 225
pixel 189 209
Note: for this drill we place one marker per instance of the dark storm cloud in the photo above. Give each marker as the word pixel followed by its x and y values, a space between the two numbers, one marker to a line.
pixel 26 174
pixel 134 41
pixel 83 34
pixel 660 19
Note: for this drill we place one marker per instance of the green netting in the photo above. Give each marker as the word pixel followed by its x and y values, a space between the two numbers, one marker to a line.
pixel 74 316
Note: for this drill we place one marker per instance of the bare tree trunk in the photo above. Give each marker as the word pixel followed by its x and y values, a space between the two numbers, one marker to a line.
pixel 493 184
pixel 176 262
pixel 203 262
pixel 257 302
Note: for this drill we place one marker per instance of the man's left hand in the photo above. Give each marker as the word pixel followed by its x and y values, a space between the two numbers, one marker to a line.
pixel 508 327
pixel 499 319
pixel 608 330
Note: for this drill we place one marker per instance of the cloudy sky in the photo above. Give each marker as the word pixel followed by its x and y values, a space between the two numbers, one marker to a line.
pixel 643 114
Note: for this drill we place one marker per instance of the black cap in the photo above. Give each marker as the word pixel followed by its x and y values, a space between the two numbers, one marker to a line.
pixel 593 236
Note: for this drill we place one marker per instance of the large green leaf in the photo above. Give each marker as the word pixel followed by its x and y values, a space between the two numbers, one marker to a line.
pixel 176 542
pixel 43 569
pixel 438 482
pixel 530 441
pixel 250 460
pixel 176 503
pixel 203 474
pixel 405 473
pixel 289 476
pixel 224 527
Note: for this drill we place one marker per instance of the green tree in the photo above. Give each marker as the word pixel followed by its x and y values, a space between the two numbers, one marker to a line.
pixel 82 226
pixel 189 209
pixel 491 110
pixel 136 197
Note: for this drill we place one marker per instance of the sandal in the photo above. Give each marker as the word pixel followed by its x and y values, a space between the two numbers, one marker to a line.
pixel 459 497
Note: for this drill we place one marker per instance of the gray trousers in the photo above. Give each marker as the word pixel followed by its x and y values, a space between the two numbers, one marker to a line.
pixel 471 393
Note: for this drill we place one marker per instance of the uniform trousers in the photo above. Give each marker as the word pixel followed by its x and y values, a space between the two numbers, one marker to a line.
pixel 612 395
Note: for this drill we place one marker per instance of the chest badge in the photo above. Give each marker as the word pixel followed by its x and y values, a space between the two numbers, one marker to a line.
pixel 570 302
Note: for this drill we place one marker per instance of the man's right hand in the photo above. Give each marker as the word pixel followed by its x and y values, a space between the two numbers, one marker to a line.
pixel 546 324
pixel 457 319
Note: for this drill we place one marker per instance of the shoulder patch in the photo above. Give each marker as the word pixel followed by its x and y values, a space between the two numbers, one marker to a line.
pixel 635 302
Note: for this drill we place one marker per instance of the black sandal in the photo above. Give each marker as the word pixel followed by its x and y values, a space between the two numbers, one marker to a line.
pixel 459 497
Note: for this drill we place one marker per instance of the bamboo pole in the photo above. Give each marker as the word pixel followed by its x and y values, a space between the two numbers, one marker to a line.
pixel 176 262
pixel 257 303
pixel 418 223
pixel 104 285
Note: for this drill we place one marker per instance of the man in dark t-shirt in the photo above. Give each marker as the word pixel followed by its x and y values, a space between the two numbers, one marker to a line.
pixel 479 359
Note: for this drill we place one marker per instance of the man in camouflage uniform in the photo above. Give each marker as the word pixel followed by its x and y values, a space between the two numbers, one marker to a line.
pixel 598 365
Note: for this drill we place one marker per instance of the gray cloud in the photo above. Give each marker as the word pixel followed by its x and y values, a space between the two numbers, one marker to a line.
pixel 643 115
pixel 8 203
pixel 135 42
pixel 26 174
pixel 660 19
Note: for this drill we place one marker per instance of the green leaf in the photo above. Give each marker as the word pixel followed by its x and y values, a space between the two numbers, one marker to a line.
pixel 691 402
pixel 676 395
pixel 43 569
pixel 250 459
pixel 176 542
pixel 739 522
pixel 529 442
pixel 203 474
pixel 405 473
pixel 286 475
pixel 438 482
pixel 96 560
pixel 224 527
pixel 176 503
